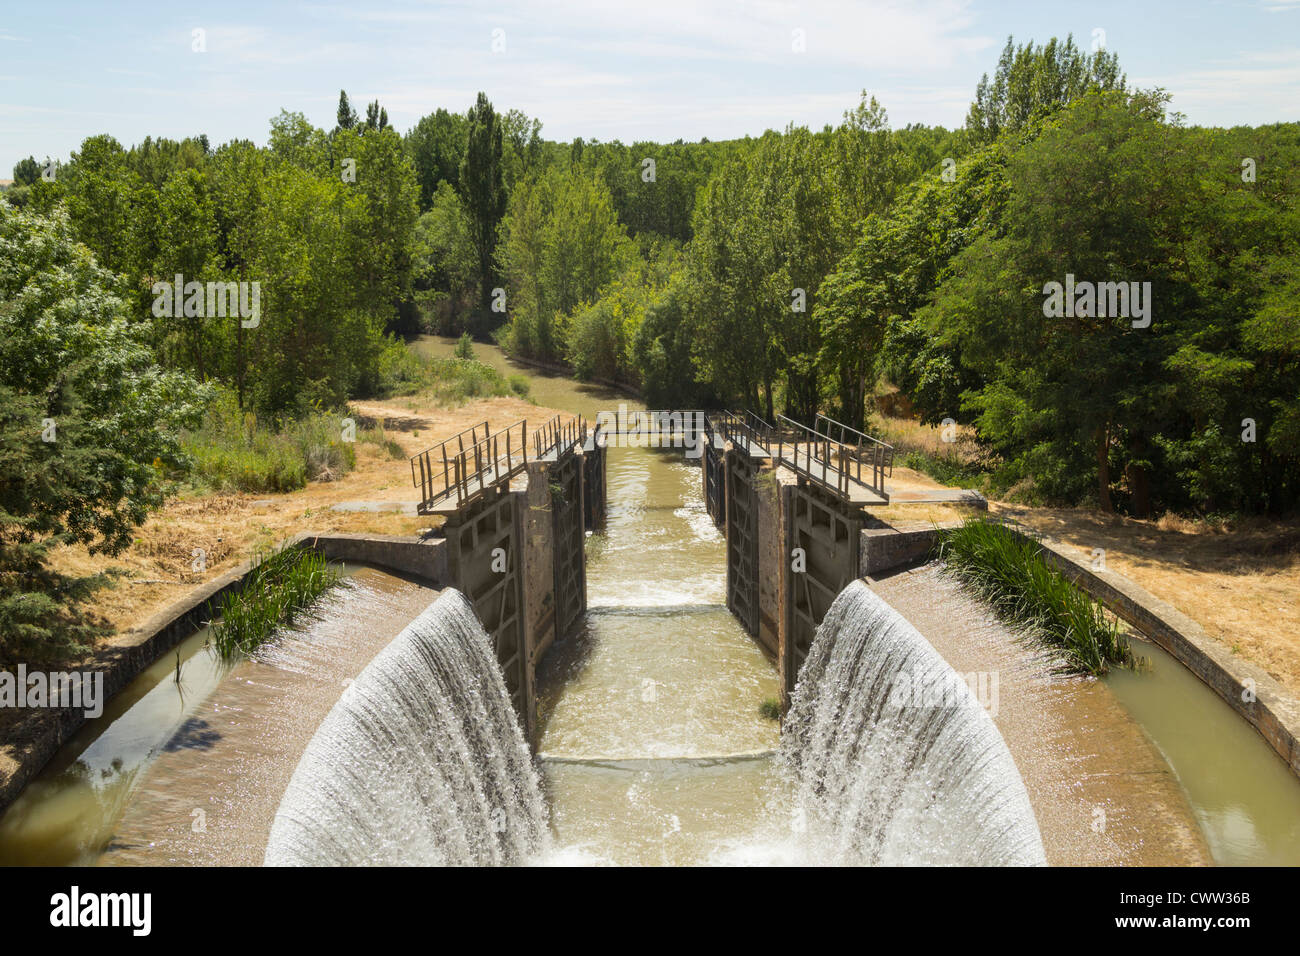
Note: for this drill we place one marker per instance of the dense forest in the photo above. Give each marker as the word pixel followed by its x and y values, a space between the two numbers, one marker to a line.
pixel 794 272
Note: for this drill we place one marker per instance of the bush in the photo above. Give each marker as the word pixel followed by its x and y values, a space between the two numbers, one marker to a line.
pixel 449 381
pixel 465 347
pixel 1010 573
pixel 377 436
pixel 278 587
pixel 233 451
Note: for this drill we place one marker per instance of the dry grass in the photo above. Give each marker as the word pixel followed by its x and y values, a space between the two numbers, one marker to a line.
pixel 908 434
pixel 158 567
pixel 1239 579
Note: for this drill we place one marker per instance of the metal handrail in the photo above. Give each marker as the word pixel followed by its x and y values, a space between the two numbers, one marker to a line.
pixel 852 448
pixel 748 427
pixel 559 436
pixel 472 462
pixel 425 473
pixel 879 454
pixel 818 450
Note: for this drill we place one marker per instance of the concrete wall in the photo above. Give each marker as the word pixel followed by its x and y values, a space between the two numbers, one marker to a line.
pixel 129 653
pixel 1246 688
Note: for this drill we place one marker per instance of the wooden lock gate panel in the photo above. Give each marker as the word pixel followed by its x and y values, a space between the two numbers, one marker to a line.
pixel 485 550
pixel 829 532
pixel 742 541
pixel 566 487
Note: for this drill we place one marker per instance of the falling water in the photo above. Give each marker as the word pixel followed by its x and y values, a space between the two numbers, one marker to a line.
pixel 421 762
pixel 894 759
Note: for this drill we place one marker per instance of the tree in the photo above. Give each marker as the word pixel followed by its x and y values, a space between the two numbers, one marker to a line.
pixel 561 244
pixel 26 171
pixel 483 190
pixel 346 116
pixel 1076 395
pixel 437 145
pixel 376 116
pixel 89 429
pixel 102 201
pixel 1032 81
pixel 447 263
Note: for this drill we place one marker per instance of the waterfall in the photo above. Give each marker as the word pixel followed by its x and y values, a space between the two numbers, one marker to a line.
pixel 421 761
pixel 895 762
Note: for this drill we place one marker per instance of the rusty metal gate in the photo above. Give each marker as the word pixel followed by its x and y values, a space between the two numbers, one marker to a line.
pixel 565 478
pixel 828 531
pixel 593 486
pixel 742 542
pixel 484 554
pixel 714 499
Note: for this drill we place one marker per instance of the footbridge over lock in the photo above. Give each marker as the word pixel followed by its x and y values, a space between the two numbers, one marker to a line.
pixel 517 506
pixel 791 500
pixel 517 503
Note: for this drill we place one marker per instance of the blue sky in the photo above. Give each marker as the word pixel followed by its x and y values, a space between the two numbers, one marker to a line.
pixel 657 69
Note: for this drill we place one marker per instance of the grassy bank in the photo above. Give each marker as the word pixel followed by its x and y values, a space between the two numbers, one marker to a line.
pixel 1010 573
pixel 281 584
pixel 446 381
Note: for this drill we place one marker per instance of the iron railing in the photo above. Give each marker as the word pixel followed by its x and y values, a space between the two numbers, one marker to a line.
pixel 863 449
pixel 745 426
pixel 559 436
pixel 469 463
pixel 835 457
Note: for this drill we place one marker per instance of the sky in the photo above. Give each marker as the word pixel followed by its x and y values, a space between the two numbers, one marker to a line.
pixel 605 69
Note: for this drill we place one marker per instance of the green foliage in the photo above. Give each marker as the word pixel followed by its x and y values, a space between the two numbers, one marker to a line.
pixel 27 171
pixel 277 589
pixel 88 425
pixel 1010 573
pixel 446 271
pixel 1032 81
pixel 437 146
pixel 483 190
pixel 451 381
pixel 561 244
pixel 947 469
pixel 465 347
pixel 236 452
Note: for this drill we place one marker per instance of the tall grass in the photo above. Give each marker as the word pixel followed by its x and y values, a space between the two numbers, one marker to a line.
pixel 448 381
pixel 1010 573
pixel 280 585
pixel 237 451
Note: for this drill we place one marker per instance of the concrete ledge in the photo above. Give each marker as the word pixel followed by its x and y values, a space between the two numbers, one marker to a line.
pixel 425 558
pixel 942 496
pixel 1245 687
pixel 129 652
pixel 885 548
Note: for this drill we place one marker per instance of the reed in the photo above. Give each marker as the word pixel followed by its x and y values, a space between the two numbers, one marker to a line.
pixel 1009 572
pixel 281 584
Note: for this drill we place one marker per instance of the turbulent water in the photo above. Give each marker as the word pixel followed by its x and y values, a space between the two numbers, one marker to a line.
pixel 421 762
pixel 894 759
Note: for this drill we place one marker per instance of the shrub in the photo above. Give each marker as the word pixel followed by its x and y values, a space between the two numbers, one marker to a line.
pixel 1010 573
pixel 280 585
pixel 234 451
pixel 465 347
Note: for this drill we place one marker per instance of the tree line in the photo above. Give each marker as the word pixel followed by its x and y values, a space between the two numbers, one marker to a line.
pixel 794 272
